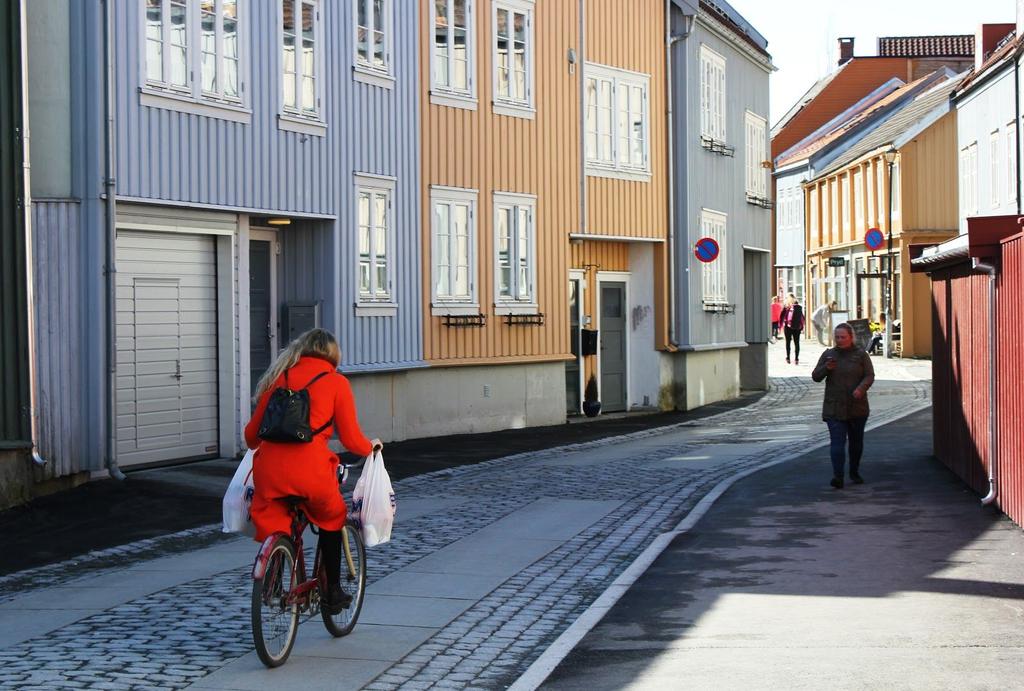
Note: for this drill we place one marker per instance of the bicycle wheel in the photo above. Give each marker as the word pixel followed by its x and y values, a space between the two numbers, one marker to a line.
pixel 274 622
pixel 353 582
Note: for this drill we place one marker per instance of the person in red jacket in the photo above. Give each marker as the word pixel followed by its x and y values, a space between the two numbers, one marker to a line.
pixel 307 470
pixel 776 308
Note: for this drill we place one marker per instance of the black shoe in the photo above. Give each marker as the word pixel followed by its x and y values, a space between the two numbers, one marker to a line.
pixel 797 361
pixel 855 478
pixel 787 361
pixel 336 600
pixel 837 482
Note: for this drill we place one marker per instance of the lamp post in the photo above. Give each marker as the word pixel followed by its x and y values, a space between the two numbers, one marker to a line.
pixel 890 160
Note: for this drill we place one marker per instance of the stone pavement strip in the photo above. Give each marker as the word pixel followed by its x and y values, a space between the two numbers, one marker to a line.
pixel 488 565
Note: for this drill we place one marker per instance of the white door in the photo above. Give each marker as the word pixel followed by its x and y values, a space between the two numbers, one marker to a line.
pixel 166 347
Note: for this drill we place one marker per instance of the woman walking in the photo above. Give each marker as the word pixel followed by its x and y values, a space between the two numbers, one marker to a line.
pixel 792 320
pixel 310 470
pixel 848 374
pixel 776 309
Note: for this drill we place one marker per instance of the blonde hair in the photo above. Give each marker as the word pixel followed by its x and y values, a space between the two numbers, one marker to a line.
pixel 318 343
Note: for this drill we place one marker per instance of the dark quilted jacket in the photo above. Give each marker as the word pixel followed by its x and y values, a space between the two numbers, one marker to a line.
pixel 853 369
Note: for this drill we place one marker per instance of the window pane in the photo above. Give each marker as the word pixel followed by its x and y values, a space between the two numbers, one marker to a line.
pixel 622 124
pixel 230 34
pixel 523 252
pixel 460 58
pixel 504 254
pixel 363 211
pixel 362 31
pixel 441 220
pixel 230 80
pixel 154 41
pixel 307 58
pixel 382 278
pixel 308 94
pixel 461 262
pixel 378 49
pixel 591 120
pixel 502 52
pixel 441 75
pixel 307 23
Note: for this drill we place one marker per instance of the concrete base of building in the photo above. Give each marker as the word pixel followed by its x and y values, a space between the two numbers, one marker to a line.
pixel 754 367
pixel 700 378
pixel 441 401
pixel 15 477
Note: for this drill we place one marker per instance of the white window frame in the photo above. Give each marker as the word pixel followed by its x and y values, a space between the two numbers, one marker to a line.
pixel 870 188
pixel 756 128
pixel 443 94
pixel 857 195
pixel 448 304
pixel 712 94
pixel 620 80
pixel 993 168
pixel 1011 164
pixel 714 275
pixel 379 302
pixel 508 105
pixel 366 71
pixel 973 168
pixel 845 204
pixel 191 98
pixel 813 204
pixel 514 304
pixel 834 208
pixel 295 118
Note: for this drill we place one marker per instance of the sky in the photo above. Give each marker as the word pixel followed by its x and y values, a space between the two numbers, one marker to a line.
pixel 802 34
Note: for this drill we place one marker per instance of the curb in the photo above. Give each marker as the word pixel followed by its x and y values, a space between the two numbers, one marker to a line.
pixel 542 667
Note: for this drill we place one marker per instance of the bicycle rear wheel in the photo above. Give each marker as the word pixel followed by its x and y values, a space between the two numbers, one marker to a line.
pixel 353 582
pixel 274 621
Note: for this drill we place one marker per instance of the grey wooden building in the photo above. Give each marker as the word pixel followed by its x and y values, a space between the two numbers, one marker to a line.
pixel 239 171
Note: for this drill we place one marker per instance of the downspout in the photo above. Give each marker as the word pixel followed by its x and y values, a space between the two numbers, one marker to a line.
pixel 583 116
pixel 30 295
pixel 670 41
pixel 1016 119
pixel 110 185
pixel 993 399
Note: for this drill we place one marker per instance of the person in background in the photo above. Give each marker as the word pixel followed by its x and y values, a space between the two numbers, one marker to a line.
pixel 792 320
pixel 877 334
pixel 776 308
pixel 848 374
pixel 820 318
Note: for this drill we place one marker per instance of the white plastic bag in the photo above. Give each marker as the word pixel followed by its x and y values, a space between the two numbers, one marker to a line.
pixel 373 502
pixel 238 499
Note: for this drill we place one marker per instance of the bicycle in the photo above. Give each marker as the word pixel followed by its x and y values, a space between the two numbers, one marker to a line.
pixel 281 590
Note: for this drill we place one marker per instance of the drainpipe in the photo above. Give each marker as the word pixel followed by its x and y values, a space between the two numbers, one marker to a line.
pixel 30 321
pixel 1016 120
pixel 583 116
pixel 993 399
pixel 111 237
pixel 670 41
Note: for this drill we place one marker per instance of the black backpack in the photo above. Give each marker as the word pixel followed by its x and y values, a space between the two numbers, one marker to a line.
pixel 286 418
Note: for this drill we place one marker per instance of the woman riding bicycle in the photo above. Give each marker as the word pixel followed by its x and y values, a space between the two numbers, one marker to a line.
pixel 307 470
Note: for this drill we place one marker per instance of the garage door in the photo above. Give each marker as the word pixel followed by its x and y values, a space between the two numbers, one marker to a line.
pixel 166 347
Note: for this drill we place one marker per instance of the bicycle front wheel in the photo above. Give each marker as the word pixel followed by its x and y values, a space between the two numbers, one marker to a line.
pixel 274 621
pixel 353 582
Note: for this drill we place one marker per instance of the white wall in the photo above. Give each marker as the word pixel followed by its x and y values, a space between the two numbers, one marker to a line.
pixel 644 371
pixel 789 219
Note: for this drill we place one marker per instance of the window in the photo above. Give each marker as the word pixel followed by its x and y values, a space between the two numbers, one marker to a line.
pixel 813 194
pixel 514 250
pixel 833 228
pixel 858 202
pixel 712 94
pixel 373 40
pixel 715 283
pixel 452 58
pixel 513 57
pixel 374 238
pixel 757 152
pixel 883 210
pixel 617 123
pixel 454 248
pixel 896 190
pixel 993 169
pixel 300 34
pixel 1011 164
pixel 845 210
pixel 187 39
pixel 969 181
pixel 870 189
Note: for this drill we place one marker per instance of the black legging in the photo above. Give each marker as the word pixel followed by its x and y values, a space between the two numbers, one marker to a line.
pixel 794 336
pixel 330 554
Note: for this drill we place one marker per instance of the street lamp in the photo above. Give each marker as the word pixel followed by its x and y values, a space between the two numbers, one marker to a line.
pixel 890 160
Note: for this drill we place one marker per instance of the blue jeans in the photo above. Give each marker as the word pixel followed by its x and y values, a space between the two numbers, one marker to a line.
pixel 840 431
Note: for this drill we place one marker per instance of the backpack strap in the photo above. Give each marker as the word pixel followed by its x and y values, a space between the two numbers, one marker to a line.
pixel 330 422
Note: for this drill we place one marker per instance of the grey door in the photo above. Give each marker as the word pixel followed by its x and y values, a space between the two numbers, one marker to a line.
pixel 261 311
pixel 572 367
pixel 166 347
pixel 613 346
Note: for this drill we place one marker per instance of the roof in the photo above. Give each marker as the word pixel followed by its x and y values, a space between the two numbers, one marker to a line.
pixel 858 121
pixel 735 22
pixel 957 45
pixel 809 96
pixel 1001 54
pixel 912 118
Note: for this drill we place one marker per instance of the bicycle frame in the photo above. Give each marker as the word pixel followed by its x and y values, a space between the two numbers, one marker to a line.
pixel 301 594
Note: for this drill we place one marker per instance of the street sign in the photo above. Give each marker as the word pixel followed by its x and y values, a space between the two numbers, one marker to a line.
pixel 837 261
pixel 706 250
pixel 874 239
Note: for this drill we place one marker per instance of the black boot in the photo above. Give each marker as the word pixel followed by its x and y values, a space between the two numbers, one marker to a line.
pixel 855 478
pixel 837 482
pixel 336 599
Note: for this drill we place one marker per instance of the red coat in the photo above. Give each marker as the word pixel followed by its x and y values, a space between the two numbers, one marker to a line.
pixel 306 470
pixel 776 312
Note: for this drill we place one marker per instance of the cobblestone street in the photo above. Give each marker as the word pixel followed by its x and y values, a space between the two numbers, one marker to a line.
pixel 488 565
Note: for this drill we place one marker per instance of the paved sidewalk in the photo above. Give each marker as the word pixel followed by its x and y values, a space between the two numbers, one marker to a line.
pixel 489 564
pixel 905 582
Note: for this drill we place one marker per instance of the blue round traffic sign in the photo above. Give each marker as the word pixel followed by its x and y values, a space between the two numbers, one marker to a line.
pixel 874 239
pixel 706 250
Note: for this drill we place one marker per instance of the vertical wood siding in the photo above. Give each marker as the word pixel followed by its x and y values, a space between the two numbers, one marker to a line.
pixel 57 249
pixel 928 178
pixel 495 153
pixel 1010 320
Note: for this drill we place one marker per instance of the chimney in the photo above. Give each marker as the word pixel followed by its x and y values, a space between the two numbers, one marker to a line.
pixel 986 38
pixel 845 49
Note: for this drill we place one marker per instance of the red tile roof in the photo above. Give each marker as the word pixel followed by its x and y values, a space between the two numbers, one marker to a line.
pixel 1001 53
pixel 961 45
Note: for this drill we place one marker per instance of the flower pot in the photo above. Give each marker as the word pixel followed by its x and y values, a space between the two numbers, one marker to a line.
pixel 591 408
